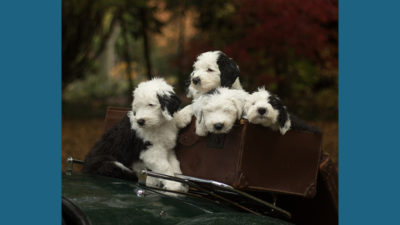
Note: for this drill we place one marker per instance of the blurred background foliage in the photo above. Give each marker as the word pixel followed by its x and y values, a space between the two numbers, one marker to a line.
pixel 289 46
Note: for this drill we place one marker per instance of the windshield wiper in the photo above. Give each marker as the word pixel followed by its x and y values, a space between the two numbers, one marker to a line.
pixel 197 184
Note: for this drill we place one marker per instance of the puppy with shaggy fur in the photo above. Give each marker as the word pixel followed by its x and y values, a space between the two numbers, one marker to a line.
pixel 211 70
pixel 266 109
pixel 217 111
pixel 144 139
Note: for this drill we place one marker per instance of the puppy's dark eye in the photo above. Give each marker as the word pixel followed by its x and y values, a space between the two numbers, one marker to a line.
pixel 134 113
pixel 210 70
pixel 253 103
pixel 151 105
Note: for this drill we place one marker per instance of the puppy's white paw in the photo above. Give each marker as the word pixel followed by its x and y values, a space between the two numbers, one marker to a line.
pixel 153 182
pixel 184 116
pixel 201 132
pixel 175 186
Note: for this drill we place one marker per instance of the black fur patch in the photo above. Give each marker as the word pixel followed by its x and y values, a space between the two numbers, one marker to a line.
pixel 229 70
pixel 187 84
pixel 277 104
pixel 212 92
pixel 299 124
pixel 171 102
pixel 119 144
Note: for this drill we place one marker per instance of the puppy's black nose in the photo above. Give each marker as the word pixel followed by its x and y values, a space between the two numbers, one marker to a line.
pixel 141 122
pixel 262 111
pixel 218 126
pixel 196 80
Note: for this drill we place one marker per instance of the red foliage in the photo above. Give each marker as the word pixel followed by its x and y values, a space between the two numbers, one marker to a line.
pixel 282 25
pixel 273 31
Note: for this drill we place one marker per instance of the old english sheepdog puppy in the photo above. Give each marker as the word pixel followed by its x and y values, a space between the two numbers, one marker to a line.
pixel 265 108
pixel 211 70
pixel 144 139
pixel 218 110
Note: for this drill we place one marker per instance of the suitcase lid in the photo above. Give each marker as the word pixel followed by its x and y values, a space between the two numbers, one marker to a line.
pixel 281 163
pixel 113 116
pixel 255 158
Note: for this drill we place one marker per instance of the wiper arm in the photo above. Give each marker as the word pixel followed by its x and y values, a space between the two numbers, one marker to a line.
pixel 192 184
pixel 212 182
pixel 188 180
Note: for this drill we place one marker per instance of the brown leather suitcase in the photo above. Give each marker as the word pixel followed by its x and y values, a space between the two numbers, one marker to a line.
pixel 253 157
pixel 113 116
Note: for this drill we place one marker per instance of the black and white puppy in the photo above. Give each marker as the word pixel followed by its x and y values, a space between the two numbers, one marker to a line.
pixel 144 139
pixel 211 70
pixel 217 111
pixel 265 108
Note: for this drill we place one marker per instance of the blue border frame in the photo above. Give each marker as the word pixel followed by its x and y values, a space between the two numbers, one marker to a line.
pixel 369 49
pixel 30 120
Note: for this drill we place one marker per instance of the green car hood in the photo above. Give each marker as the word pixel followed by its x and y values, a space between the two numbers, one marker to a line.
pixel 113 201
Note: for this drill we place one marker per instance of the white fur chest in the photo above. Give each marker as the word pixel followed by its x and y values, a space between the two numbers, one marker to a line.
pixel 163 136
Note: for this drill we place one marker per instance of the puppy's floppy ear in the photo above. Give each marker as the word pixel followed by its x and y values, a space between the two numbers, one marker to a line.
pixel 239 98
pixel 169 102
pixel 199 116
pixel 187 85
pixel 283 117
pixel 283 129
pixel 201 129
pixel 229 70
pixel 239 107
pixel 198 113
pixel 244 113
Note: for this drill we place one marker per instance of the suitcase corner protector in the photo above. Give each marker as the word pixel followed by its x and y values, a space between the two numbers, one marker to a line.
pixel 311 191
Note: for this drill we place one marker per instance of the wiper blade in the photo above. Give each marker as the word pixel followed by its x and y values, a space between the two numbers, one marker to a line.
pixel 188 180
pixel 242 193
pixel 212 182
pixel 192 184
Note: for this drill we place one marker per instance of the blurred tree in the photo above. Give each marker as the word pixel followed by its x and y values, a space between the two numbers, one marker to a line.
pixel 87 25
pixel 289 46
pixel 138 19
pixel 178 9
pixel 85 29
pixel 127 55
